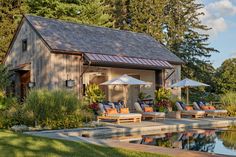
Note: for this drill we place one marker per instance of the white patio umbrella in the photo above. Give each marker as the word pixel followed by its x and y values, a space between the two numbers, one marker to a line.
pixel 186 83
pixel 125 80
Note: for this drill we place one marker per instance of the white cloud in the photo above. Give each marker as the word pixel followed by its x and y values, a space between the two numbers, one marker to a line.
pixel 223 8
pixel 215 14
pixel 233 55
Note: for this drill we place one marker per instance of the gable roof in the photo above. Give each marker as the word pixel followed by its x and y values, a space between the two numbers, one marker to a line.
pixel 71 37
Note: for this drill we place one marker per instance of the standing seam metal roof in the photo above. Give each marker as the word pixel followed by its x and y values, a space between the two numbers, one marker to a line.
pixel 101 59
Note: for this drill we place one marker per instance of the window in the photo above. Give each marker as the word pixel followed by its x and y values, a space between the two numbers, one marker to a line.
pixel 24 45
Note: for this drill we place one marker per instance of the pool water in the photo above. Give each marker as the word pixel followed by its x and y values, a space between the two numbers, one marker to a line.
pixel 217 141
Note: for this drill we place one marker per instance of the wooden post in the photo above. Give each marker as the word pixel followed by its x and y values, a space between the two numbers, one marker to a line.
pixel 125 95
pixel 187 91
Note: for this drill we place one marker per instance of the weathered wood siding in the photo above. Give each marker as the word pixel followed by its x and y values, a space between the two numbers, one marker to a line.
pixel 37 54
pixel 64 67
pixel 48 70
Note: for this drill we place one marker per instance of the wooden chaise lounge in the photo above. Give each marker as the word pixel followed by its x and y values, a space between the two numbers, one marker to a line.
pixel 121 118
pixel 145 115
pixel 209 111
pixel 118 117
pixel 193 113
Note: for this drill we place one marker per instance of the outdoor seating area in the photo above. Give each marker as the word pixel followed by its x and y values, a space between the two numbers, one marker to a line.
pixel 188 111
pixel 147 112
pixel 119 112
pixel 118 78
pixel 209 109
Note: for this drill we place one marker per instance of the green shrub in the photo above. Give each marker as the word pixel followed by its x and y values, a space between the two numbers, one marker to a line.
pixel 143 96
pixel 10 111
pixel 229 102
pixel 69 121
pixel 5 75
pixel 11 115
pixel 229 98
pixel 196 95
pixel 6 101
pixel 53 109
pixel 56 108
pixel 94 94
pixel 162 94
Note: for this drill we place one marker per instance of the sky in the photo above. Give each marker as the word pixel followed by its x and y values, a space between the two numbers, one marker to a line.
pixel 220 15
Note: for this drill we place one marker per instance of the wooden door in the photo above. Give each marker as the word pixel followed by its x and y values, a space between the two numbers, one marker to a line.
pixel 24 81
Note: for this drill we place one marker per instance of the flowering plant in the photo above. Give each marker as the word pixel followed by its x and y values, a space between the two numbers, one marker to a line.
pixel 94 106
pixel 163 105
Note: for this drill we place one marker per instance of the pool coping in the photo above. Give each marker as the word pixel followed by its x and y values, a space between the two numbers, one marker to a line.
pixel 75 135
pixel 116 130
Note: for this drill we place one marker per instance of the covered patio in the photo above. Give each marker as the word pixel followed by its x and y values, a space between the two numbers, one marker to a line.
pixel 99 68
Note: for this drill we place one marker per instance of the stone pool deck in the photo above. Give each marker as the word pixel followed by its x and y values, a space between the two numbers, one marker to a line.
pixel 159 126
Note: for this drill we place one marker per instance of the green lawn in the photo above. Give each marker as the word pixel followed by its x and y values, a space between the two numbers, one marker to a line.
pixel 13 144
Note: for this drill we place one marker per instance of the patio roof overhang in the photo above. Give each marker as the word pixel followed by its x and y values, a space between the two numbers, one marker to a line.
pixel 125 61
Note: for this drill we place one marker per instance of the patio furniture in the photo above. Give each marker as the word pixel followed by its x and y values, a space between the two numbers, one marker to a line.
pixel 125 81
pixel 153 115
pixel 193 113
pixel 186 83
pixel 209 110
pixel 116 116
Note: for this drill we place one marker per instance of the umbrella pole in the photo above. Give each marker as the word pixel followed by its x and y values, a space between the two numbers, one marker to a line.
pixel 187 90
pixel 125 96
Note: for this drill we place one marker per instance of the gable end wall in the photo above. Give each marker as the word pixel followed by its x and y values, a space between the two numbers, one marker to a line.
pixel 37 54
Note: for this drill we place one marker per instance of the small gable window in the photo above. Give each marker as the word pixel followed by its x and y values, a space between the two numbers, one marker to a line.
pixel 24 45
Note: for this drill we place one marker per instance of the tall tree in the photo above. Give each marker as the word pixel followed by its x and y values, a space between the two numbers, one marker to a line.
pixel 139 16
pixel 85 11
pixel 176 24
pixel 119 10
pixel 225 78
pixel 186 41
pixel 10 14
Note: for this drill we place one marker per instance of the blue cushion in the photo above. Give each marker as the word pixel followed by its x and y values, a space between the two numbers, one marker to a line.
pixel 106 106
pixel 183 105
pixel 118 106
pixel 143 105
pixel 200 104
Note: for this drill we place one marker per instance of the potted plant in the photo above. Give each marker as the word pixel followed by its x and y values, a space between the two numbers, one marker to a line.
pixel 163 106
pixel 162 99
pixel 94 95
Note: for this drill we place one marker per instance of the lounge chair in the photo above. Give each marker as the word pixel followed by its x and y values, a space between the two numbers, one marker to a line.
pixel 118 117
pixel 145 115
pixel 212 112
pixel 194 113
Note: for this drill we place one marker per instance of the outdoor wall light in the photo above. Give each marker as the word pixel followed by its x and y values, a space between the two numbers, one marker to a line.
pixel 31 84
pixel 70 83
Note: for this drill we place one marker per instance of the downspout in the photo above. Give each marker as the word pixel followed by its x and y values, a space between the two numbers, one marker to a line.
pixel 81 75
pixel 170 75
pixel 166 78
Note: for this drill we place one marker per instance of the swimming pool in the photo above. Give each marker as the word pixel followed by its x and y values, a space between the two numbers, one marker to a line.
pixel 217 141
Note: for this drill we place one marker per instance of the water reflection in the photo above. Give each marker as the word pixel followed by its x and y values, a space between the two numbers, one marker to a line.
pixel 228 138
pixel 197 140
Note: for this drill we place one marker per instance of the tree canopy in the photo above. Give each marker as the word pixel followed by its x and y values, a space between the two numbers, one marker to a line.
pixel 10 14
pixel 225 77
pixel 84 11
